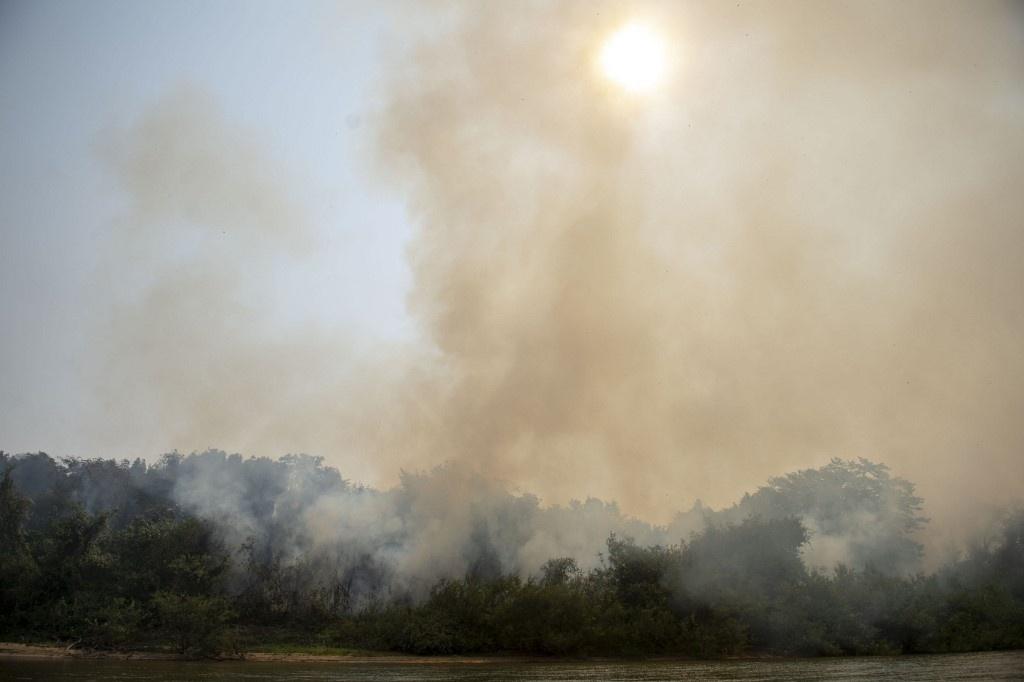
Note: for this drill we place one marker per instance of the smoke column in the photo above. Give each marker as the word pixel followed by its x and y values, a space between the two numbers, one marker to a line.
pixel 806 245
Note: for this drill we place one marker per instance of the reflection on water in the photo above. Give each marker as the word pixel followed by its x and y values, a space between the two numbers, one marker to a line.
pixel 983 666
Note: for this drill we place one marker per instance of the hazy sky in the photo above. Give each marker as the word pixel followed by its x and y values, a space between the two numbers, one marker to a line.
pixel 297 81
pixel 399 234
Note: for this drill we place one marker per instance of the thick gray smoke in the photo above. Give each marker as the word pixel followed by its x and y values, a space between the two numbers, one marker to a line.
pixel 806 245
pixel 451 523
pixel 296 527
pixel 445 524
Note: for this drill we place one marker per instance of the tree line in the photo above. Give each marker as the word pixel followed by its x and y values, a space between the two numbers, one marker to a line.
pixel 104 554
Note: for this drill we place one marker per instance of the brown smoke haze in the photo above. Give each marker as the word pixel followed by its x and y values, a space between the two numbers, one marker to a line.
pixel 190 358
pixel 808 244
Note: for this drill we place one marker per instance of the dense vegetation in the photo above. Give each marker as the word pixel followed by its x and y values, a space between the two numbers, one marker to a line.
pixel 112 554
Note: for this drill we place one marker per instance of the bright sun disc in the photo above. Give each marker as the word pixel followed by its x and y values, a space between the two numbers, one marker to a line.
pixel 634 58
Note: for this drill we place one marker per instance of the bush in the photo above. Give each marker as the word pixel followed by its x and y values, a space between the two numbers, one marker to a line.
pixel 196 624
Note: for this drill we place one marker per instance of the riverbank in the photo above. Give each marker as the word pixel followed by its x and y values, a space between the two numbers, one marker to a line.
pixel 19 651
pixel 1002 665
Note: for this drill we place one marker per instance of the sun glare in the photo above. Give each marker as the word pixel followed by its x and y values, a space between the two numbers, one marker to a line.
pixel 634 58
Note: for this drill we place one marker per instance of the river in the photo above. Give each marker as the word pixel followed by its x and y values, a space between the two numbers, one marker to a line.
pixel 979 666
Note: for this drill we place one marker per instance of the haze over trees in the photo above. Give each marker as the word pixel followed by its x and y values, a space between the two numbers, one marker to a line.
pixel 209 552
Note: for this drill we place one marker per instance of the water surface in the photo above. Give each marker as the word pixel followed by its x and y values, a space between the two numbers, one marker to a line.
pixel 981 666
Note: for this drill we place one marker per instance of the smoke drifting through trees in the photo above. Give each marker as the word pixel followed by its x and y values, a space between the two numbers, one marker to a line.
pixel 806 247
pixel 116 553
pixel 306 520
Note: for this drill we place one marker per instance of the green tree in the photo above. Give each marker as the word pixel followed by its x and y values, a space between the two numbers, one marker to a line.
pixel 17 567
pixel 197 624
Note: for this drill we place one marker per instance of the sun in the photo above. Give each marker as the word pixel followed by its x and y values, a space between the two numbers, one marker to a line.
pixel 634 58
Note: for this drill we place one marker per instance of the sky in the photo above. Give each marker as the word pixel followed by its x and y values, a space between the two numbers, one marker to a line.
pixel 298 81
pixel 402 234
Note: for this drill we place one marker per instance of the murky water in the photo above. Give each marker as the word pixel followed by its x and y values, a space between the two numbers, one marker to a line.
pixel 984 666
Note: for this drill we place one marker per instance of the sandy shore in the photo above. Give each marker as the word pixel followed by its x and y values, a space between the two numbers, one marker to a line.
pixel 13 650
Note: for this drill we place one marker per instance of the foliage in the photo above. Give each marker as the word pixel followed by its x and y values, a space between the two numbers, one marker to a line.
pixel 855 507
pixel 194 622
pixel 74 567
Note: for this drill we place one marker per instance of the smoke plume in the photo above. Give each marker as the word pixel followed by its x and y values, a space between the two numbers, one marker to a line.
pixel 807 245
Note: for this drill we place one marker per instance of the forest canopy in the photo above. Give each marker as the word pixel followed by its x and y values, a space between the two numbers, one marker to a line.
pixel 208 552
